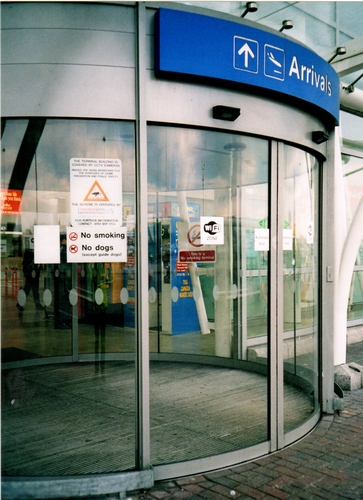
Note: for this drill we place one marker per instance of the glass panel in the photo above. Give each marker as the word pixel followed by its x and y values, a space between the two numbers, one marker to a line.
pixel 355 304
pixel 347 13
pixel 54 310
pixel 353 176
pixel 322 26
pixel 208 193
pixel 254 266
pixel 300 285
pixel 354 78
pixel 351 128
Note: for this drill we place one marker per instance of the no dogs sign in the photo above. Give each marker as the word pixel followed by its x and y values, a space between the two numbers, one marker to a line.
pixel 96 245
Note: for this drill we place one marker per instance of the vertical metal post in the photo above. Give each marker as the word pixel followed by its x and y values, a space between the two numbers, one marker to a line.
pixel 280 294
pixel 141 200
pixel 75 354
pixel 276 283
pixel 329 262
pixel 272 297
pixel 36 187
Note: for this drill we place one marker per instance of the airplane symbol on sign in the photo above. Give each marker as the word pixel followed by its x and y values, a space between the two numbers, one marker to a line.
pixel 273 60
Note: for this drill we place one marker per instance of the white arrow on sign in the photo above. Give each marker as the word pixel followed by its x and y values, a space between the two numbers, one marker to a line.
pixel 246 49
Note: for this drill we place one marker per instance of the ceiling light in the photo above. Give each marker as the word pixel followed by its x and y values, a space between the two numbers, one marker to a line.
pixel 340 51
pixel 235 146
pixel 287 24
pixel 250 7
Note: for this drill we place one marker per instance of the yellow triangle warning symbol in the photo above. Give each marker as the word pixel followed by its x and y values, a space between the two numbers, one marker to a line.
pixel 96 193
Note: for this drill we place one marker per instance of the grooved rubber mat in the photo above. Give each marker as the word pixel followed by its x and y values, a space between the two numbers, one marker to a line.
pixel 80 418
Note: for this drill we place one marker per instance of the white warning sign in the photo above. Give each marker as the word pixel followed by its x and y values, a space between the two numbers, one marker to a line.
pixel 262 239
pixel 96 192
pixel 86 244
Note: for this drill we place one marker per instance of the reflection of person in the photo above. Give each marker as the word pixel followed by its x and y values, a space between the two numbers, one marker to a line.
pixel 31 273
pixel 63 285
pixel 100 282
pixel 165 253
pixel 165 256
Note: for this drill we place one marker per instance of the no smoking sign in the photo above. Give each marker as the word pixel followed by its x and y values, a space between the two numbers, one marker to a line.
pixel 73 236
pixel 193 236
pixel 96 245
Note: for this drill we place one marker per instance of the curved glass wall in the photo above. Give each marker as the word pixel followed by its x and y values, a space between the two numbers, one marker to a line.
pixel 208 193
pixel 215 272
pixel 301 280
pixel 209 252
pixel 352 163
pixel 353 172
pixel 233 230
pixel 60 419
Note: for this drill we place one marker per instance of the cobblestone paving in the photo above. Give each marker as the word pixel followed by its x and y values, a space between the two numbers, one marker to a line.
pixel 327 464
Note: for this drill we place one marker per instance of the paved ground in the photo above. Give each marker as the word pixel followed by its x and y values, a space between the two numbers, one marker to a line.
pixel 355 353
pixel 327 464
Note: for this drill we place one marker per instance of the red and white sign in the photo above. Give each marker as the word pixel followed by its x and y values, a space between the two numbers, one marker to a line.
pixel 181 267
pixel 11 201
pixel 191 248
pixel 197 256
pixel 193 236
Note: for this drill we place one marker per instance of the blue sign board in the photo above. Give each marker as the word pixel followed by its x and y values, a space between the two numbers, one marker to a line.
pixel 208 47
pixel 184 317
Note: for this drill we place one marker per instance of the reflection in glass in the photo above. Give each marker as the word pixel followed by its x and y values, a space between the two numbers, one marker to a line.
pixel 353 176
pixel 210 298
pixel 194 174
pixel 63 311
pixel 300 281
pixel 355 304
pixel 43 181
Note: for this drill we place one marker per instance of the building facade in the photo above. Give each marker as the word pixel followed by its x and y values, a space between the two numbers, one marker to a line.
pixel 181 213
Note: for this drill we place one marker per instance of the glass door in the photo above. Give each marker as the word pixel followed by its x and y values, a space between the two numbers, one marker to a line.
pixel 233 273
pixel 208 199
pixel 56 313
pixel 300 284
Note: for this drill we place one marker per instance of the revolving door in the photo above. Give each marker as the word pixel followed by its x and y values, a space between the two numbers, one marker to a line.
pixel 234 280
